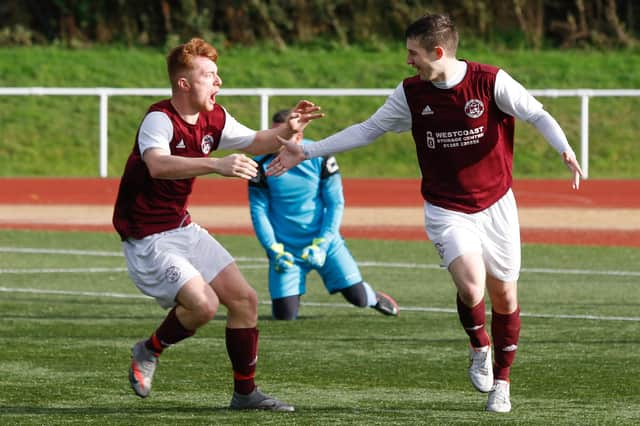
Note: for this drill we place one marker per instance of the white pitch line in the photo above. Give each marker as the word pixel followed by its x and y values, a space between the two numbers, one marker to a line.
pixel 28 250
pixel 82 270
pixel 581 272
pixel 365 263
pixel 73 293
pixel 61 270
pixel 316 304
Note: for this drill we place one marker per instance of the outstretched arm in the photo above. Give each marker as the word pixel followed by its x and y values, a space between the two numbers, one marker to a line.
pixel 393 116
pixel 515 100
pixel 352 137
pixel 552 132
pixel 265 140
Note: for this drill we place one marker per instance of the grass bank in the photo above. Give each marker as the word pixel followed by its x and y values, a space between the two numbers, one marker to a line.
pixel 58 136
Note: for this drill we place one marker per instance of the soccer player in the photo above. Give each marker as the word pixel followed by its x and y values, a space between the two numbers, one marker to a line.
pixel 171 258
pixel 297 219
pixel 461 115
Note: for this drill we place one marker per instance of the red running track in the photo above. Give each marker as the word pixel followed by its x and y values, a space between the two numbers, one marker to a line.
pixel 593 194
pixel 359 192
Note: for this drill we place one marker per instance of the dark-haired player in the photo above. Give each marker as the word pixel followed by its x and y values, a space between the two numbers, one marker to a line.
pixel 461 115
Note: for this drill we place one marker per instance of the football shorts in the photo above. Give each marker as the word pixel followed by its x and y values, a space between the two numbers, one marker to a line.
pixel 160 264
pixel 493 232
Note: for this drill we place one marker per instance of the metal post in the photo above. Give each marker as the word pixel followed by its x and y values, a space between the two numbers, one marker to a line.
pixel 104 100
pixel 584 135
pixel 264 111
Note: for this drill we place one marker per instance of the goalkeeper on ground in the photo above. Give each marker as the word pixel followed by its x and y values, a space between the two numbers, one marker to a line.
pixel 297 218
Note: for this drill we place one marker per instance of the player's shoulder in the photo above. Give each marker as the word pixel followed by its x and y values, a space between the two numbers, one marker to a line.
pixel 163 106
pixel 482 69
pixel 217 116
pixel 412 81
pixel 330 166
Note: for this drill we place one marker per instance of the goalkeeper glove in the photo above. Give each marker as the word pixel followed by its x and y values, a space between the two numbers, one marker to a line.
pixel 315 254
pixel 282 260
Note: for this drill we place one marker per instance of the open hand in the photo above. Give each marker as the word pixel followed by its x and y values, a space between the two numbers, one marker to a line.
pixel 573 165
pixel 289 156
pixel 303 113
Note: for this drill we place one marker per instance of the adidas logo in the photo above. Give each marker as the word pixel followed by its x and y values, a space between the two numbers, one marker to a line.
pixel 181 144
pixel 427 111
pixel 510 348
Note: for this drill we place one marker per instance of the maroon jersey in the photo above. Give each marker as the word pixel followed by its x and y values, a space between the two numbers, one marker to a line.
pixel 146 205
pixel 463 140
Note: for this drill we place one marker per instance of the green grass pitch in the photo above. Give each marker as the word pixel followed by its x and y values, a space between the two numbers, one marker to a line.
pixel 69 315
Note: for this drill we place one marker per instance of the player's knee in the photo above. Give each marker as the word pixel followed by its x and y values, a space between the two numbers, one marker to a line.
pixel 245 303
pixel 251 299
pixel 504 303
pixel 504 295
pixel 205 311
pixel 470 297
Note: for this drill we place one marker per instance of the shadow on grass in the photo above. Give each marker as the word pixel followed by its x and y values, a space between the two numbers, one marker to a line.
pixel 194 410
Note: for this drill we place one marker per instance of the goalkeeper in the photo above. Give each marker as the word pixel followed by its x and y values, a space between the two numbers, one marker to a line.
pixel 297 218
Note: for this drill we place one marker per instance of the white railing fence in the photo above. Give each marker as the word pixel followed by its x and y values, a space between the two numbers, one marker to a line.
pixel 265 93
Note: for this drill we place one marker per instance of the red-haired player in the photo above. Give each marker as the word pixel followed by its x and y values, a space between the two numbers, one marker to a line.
pixel 173 259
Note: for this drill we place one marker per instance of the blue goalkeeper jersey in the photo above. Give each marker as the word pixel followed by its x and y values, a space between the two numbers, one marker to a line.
pixel 302 204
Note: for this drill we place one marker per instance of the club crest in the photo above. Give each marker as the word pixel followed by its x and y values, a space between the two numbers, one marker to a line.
pixel 474 108
pixel 206 144
pixel 173 274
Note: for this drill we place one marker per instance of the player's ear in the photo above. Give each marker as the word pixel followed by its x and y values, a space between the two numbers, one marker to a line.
pixel 439 52
pixel 183 83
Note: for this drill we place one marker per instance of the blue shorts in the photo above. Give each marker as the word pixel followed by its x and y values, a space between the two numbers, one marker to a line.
pixel 339 271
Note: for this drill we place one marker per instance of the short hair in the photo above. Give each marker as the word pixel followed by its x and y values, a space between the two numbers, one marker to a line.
pixel 181 57
pixel 433 30
pixel 280 116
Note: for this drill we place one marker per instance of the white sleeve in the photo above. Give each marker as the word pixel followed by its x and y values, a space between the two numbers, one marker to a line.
pixel 352 137
pixel 394 115
pixel 552 132
pixel 515 100
pixel 512 98
pixel 235 135
pixel 156 131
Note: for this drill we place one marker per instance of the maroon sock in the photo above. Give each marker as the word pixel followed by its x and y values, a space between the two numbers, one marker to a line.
pixel 168 333
pixel 242 346
pixel 505 329
pixel 473 321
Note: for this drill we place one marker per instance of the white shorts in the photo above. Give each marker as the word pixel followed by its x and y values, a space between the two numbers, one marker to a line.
pixel 160 264
pixel 493 232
